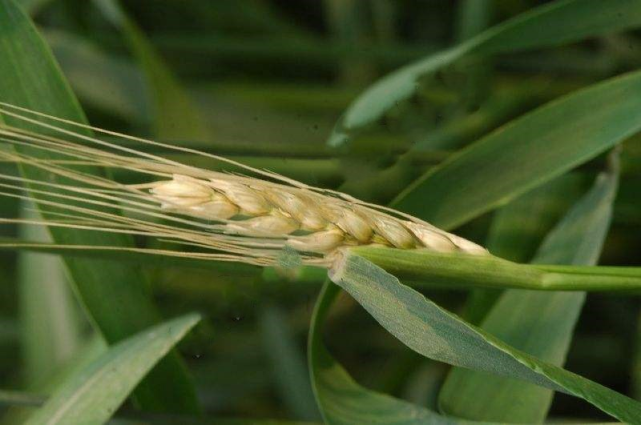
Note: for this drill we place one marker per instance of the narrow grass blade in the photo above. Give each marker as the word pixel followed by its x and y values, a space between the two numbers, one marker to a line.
pixel 440 335
pixel 51 323
pixel 287 362
pixel 115 295
pixel 108 83
pixel 540 324
pixel 563 22
pixel 527 152
pixel 28 399
pixel 94 395
pixel 473 17
pixel 519 228
pixel 175 115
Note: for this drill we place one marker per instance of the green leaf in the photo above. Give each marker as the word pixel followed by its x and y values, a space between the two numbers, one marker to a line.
pixel 95 394
pixel 473 17
pixel 115 295
pixel 51 326
pixel 173 420
pixel 287 363
pixel 175 115
pixel 440 335
pixel 579 237
pixel 519 228
pixel 343 401
pixel 33 6
pixel 548 25
pixel 539 324
pixel 27 399
pixel 103 81
pixel 526 153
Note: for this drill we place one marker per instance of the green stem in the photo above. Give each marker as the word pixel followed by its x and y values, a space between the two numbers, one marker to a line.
pixel 464 271
pixel 422 268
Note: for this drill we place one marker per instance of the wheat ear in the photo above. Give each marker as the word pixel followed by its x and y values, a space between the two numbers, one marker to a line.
pixel 249 218
pixel 260 209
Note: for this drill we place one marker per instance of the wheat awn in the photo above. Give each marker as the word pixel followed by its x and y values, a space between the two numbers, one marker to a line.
pixel 247 218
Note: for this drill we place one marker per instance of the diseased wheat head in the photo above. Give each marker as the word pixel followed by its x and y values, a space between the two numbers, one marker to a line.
pixel 220 216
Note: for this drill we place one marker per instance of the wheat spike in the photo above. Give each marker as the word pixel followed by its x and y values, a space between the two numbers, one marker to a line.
pixel 228 217
pixel 256 208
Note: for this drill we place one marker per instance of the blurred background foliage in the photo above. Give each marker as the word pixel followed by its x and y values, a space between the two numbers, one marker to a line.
pixel 264 82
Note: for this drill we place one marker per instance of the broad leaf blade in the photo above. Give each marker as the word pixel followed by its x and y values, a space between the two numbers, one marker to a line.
pixel 95 394
pixel 527 152
pixel 540 324
pixel 341 400
pixel 440 335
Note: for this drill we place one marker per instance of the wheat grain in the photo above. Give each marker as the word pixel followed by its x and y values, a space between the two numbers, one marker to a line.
pixel 264 209
pixel 233 218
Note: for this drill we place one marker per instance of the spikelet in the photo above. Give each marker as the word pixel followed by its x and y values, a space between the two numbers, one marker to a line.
pixel 227 217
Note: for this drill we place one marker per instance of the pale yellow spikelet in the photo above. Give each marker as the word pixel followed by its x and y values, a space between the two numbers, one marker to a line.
pixel 392 231
pixel 273 225
pixel 191 196
pixel 441 241
pixel 319 242
pixel 467 246
pixel 219 208
pixel 182 192
pixel 249 201
pixel 269 210
pixel 299 207
pixel 348 221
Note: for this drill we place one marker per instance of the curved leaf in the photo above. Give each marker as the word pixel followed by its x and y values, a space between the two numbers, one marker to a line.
pixel 93 395
pixel 527 152
pixel 175 115
pixel 537 323
pixel 341 400
pixel 440 335
pixel 548 25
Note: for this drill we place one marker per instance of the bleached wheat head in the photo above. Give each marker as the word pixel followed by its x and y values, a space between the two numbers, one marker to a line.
pixel 222 216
